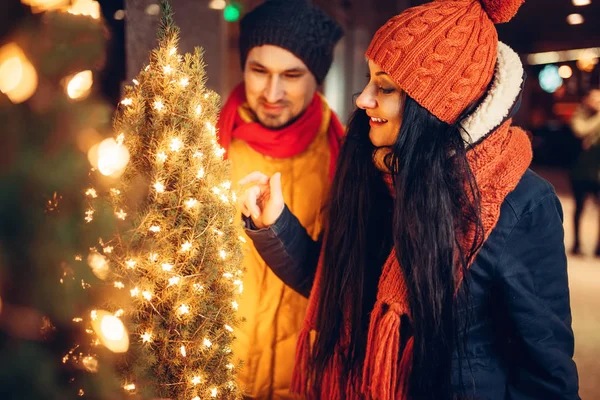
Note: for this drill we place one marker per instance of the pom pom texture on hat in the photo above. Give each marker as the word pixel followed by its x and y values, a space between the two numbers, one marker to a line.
pixel 501 11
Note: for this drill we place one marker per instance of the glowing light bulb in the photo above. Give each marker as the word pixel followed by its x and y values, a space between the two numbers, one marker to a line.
pixel 147 295
pixel 201 173
pixel 182 350
pixel 191 203
pixel 228 328
pixel 198 287
pixel 187 246
pixel 210 127
pixel 99 264
pixel 198 154
pixel 18 77
pixel 159 187
pixel 119 285
pixel 158 105
pixel 88 8
pixel 167 267
pixel 129 387
pixel 222 254
pixel 109 157
pixel 235 305
pixel 174 280
pixel 198 109
pixel 167 69
pixel 111 331
pixel 162 157
pixel 153 257
pixel 176 144
pixel 146 337
pixel 196 380
pixel 183 82
pixel 206 342
pixel 135 82
pixel 214 392
pixel 230 366
pixel 79 85
pixel 135 292
pixel 228 275
pixel 242 239
pixel 130 263
pixel 127 101
pixel 154 228
pixel 121 214
pixel 183 309
pixel 92 193
pixel 89 215
pixel 173 51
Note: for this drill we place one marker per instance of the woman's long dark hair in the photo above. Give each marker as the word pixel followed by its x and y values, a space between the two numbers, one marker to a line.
pixel 436 199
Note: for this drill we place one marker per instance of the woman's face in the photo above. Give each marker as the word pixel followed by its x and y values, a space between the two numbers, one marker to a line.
pixel 383 100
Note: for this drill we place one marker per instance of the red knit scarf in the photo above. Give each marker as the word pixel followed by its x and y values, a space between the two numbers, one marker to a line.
pixel 498 163
pixel 236 121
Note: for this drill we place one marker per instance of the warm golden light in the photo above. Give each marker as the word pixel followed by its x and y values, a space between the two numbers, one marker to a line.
pixel 183 309
pixel 206 342
pixel 189 203
pixel 214 392
pixel 167 267
pixel 223 254
pixel 159 187
pixel 176 144
pixel 182 350
pixel 565 72
pixel 154 228
pixel 187 246
pixel 90 364
pixel 198 109
pixel 135 292
pixel 121 214
pixel 146 337
pixel 99 264
pixel 109 157
pixel 119 285
pixel 147 295
pixel 235 305
pixel 174 280
pixel 38 6
pixel 89 8
pixel 79 85
pixel 228 328
pixel 92 193
pixel 230 366
pixel 158 105
pixel 167 69
pixel 162 157
pixel 130 264
pixel 129 387
pixel 111 332
pixel 18 78
pixel 196 380
pixel 127 102
pixel 200 173
pixel 183 82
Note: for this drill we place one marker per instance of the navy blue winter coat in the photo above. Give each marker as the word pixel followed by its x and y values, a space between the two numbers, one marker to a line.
pixel 519 343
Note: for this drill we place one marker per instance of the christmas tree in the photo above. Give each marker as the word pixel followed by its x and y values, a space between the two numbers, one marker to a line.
pixel 173 264
pixel 51 114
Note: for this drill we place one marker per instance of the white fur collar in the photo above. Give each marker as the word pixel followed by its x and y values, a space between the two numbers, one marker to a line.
pixel 504 90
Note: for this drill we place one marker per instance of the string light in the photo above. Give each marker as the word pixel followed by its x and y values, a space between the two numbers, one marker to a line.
pixel 129 387
pixel 174 280
pixel 146 337
pixel 200 173
pixel 235 305
pixel 191 203
pixel 158 105
pixel 176 144
pixel 147 295
pixel 92 193
pixel 182 350
pixel 107 249
pixel 127 101
pixel 159 187
pixel 230 366
pixel 198 154
pixel 223 254
pixel 162 157
pixel 167 69
pixel 183 82
pixel 228 328
pixel 121 214
pixel 111 332
pixel 135 82
pixel 242 239
pixel 154 228
pixel 153 257
pixel 89 215
pixel 109 157
pixel 198 287
pixel 214 392
pixel 196 380
pixel 135 292
pixel 89 8
pixel 173 51
pixel 187 246
pixel 183 309
pixel 119 285
pixel 207 343
pixel 120 138
pixel 99 264
pixel 130 264
pixel 18 77
pixel 167 267
pixel 198 109
pixel 79 85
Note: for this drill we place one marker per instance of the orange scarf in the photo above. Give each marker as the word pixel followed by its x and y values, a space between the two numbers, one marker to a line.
pixel 278 143
pixel 498 163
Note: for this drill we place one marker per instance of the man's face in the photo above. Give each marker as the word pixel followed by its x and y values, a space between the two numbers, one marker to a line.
pixel 279 86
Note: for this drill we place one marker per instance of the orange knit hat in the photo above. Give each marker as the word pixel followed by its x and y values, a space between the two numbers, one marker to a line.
pixel 443 53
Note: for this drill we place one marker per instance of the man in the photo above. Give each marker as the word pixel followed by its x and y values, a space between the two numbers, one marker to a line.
pixel 275 121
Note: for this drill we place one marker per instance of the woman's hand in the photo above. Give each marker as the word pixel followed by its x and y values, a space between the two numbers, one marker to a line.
pixel 263 200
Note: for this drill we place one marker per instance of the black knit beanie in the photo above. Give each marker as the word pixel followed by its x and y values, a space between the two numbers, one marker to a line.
pixel 295 25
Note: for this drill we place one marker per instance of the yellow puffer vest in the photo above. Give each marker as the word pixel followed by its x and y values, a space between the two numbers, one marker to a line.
pixel 274 313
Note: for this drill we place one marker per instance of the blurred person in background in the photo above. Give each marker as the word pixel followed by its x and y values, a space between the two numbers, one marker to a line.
pixel 585 174
pixel 277 121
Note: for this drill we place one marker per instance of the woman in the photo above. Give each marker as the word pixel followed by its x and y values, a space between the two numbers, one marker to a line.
pixel 442 272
